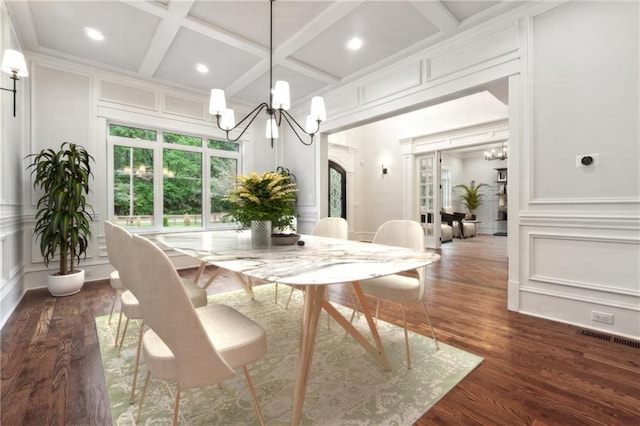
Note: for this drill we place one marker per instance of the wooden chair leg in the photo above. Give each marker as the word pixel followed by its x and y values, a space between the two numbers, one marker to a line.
pixel 113 305
pixel 406 336
pixel 124 332
pixel 289 299
pixel 252 391
pixel 433 332
pixel 115 342
pixel 176 405
pixel 137 364
pixel 142 396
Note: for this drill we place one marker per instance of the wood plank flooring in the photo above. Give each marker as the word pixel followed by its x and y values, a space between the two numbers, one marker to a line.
pixel 535 372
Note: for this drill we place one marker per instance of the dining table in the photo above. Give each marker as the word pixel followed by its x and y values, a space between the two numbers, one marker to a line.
pixel 312 264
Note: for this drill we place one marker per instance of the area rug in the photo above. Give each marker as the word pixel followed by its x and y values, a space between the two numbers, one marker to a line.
pixel 346 385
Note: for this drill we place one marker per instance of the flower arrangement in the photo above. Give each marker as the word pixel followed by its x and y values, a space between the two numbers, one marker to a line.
pixel 269 196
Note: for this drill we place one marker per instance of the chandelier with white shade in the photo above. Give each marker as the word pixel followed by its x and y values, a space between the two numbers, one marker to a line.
pixel 276 109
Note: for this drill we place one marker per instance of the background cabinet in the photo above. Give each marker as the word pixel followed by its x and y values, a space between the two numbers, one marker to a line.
pixel 500 208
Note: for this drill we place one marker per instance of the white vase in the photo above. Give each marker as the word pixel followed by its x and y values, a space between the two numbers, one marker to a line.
pixel 65 285
pixel 260 234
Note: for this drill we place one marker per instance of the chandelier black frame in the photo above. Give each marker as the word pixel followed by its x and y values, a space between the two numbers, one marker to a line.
pixel 275 110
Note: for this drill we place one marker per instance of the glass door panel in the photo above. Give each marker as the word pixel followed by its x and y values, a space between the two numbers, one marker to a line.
pixel 428 198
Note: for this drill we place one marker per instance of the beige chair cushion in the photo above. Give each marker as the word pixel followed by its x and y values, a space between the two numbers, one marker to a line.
pixel 115 281
pixel 447 209
pixel 396 288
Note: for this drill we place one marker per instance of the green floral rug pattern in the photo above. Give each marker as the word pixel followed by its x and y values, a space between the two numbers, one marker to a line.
pixel 346 385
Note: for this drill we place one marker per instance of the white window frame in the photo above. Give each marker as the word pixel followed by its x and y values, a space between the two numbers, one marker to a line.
pixel 158 147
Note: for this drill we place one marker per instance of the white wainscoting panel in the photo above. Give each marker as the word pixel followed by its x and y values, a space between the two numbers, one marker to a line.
pixel 484 49
pixel 184 107
pixel 128 95
pixel 393 83
pixel 592 263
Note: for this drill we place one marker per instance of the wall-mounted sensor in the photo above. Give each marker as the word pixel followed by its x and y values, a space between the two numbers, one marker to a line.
pixel 587 160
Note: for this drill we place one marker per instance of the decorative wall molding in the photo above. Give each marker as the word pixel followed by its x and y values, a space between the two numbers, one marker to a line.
pixel 580 220
pixel 495 131
pixel 580 262
pixel 488 47
pixel 583 299
pixel 130 95
pixel 392 84
pixel 600 200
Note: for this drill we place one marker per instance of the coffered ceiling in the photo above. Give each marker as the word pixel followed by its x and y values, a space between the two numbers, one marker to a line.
pixel 165 40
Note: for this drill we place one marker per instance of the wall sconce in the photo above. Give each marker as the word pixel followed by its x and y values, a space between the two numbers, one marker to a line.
pixel 384 170
pixel 13 63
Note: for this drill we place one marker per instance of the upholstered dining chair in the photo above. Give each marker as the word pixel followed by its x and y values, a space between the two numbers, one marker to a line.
pixel 406 287
pixel 129 306
pixel 331 227
pixel 194 347
pixel 116 284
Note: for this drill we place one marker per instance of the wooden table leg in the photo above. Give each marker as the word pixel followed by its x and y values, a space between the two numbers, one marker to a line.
pixel 203 264
pixel 378 351
pixel 311 309
pixel 245 283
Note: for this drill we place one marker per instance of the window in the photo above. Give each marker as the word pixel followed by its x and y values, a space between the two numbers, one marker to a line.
pixel 165 179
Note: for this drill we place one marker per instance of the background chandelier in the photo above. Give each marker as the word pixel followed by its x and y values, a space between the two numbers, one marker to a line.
pixel 493 155
pixel 276 109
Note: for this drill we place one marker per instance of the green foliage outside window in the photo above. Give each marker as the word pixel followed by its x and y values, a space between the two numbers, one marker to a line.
pixel 177 139
pixel 132 132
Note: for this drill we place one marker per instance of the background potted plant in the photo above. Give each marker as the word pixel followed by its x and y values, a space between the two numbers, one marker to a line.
pixel 63 217
pixel 269 197
pixel 471 197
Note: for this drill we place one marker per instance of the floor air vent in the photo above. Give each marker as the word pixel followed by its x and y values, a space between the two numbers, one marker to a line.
pixel 608 338
pixel 627 342
pixel 596 335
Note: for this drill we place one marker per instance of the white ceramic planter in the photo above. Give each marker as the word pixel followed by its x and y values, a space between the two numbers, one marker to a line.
pixel 65 285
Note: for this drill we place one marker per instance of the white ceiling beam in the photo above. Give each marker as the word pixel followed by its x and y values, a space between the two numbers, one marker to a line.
pixel 438 15
pixel 320 23
pixel 163 37
pixel 20 12
pixel 148 7
pixel 225 37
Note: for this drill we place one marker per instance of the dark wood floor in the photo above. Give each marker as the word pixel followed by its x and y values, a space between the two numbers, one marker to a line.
pixel 535 372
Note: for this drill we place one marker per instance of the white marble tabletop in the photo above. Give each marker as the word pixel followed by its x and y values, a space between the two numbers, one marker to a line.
pixel 319 261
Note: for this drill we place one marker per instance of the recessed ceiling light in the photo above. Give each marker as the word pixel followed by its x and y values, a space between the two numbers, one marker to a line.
pixel 94 34
pixel 202 68
pixel 355 43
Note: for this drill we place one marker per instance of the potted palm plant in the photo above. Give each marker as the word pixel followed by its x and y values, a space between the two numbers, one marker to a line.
pixel 63 217
pixel 471 197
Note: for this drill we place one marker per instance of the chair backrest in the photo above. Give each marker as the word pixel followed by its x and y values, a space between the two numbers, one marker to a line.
pixel 167 309
pixel 403 233
pixel 112 251
pixel 332 227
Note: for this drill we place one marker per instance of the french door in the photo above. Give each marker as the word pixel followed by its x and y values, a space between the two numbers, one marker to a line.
pixel 429 197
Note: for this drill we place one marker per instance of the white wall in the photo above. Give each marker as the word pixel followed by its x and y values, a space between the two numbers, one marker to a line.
pixel 70 102
pixel 573 73
pixel 12 150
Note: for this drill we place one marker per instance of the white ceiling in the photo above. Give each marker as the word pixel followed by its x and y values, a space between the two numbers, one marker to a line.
pixel 164 40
